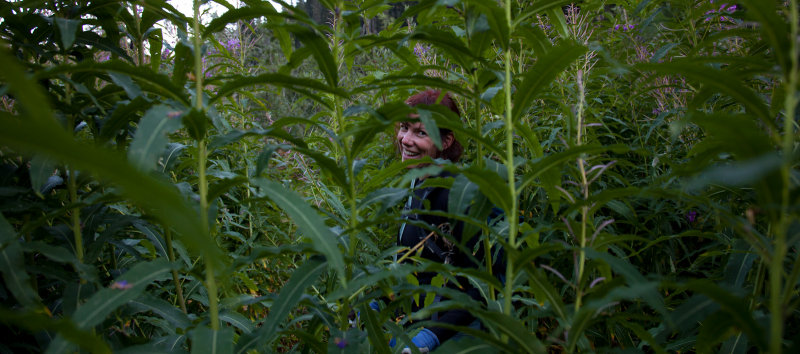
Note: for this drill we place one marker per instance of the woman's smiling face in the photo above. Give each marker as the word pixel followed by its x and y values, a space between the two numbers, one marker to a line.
pixel 414 141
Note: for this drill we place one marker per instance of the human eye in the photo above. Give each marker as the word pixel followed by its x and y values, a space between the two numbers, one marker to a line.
pixel 422 133
pixel 404 126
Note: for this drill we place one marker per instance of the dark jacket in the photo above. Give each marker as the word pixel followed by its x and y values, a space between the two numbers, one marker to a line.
pixel 439 249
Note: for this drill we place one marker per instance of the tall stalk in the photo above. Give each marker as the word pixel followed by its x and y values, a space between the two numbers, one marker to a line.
pixel 509 161
pixel 584 191
pixel 175 278
pixel 72 187
pixel 201 166
pixel 338 118
pixel 776 272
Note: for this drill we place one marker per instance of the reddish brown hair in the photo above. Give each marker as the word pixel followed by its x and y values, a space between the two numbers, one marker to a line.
pixel 429 97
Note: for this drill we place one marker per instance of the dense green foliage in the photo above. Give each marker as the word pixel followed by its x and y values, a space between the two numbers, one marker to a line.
pixel 236 190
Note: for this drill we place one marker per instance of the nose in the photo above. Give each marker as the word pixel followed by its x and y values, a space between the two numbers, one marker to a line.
pixel 406 138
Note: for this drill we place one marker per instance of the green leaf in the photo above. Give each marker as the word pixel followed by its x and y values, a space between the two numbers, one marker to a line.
pixel 582 319
pixel 329 166
pixel 151 137
pixel 713 329
pixel 632 277
pixel 555 161
pixel 308 87
pixel 319 50
pixel 462 192
pixel 143 78
pixel 739 263
pixel 12 265
pixel 67 29
pixel 154 236
pixel 308 221
pixel 738 173
pixel 156 42
pixel 291 294
pixel 547 68
pixel 206 340
pixel 491 185
pixel 536 38
pixel 373 328
pixel 556 15
pixel 467 345
pixel 550 178
pixel 124 113
pixel 544 291
pixel 773 28
pixel 426 118
pixel 516 331
pixel 196 123
pixel 737 309
pixel 164 309
pixel 126 288
pixel 38 321
pixel 41 170
pixel 737 344
pixel 237 320
pixel 387 197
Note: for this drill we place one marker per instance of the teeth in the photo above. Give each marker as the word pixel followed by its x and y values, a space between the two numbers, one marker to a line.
pixel 409 153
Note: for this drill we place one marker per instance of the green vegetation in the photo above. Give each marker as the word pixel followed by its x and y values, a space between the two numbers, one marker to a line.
pixel 238 191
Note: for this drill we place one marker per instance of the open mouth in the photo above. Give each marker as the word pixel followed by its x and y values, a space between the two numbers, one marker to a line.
pixel 410 155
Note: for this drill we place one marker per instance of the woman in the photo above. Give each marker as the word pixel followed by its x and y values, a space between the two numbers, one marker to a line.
pixel 413 142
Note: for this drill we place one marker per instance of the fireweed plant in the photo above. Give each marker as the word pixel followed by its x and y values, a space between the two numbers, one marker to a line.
pixel 236 190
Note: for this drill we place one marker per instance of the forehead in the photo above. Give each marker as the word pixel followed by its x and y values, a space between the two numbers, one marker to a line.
pixel 414 125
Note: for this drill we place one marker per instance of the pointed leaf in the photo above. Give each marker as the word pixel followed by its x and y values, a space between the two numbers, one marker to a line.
pixel 290 295
pixel 491 185
pixel 164 309
pixel 67 29
pixel 12 265
pixel 546 69
pixel 126 288
pixel 208 341
pixel 151 137
pixel 308 222
pixel 41 170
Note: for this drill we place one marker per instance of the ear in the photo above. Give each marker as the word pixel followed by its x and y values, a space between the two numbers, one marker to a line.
pixel 447 140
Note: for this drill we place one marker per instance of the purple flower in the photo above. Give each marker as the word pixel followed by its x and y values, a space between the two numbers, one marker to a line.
pixel 616 27
pixel 731 8
pixel 340 342
pixel 232 44
pixel 420 50
pixel 691 216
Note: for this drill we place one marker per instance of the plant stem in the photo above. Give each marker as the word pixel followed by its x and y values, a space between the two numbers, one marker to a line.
pixel 175 278
pixel 75 214
pixel 72 187
pixel 139 42
pixel 509 160
pixel 776 271
pixel 201 166
pixel 584 191
pixel 479 160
